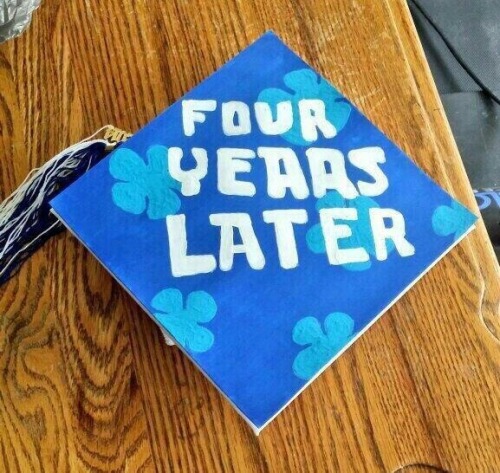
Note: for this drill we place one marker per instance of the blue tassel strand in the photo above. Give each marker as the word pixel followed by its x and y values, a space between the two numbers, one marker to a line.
pixel 25 218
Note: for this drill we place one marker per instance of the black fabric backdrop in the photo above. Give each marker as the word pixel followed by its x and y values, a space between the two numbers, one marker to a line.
pixel 473 27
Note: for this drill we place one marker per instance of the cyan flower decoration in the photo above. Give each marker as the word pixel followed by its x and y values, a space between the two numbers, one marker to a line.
pixel 145 185
pixel 183 322
pixel 361 229
pixel 307 84
pixel 323 345
pixel 452 219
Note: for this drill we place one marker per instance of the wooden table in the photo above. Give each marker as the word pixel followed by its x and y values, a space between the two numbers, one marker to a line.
pixel 87 382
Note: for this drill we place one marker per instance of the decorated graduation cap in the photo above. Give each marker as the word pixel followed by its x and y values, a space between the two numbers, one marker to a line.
pixel 262 221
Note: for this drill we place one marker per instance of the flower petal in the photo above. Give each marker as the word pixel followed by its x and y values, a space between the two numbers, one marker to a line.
pixel 358 266
pixel 305 82
pixel 201 340
pixel 443 221
pixel 315 239
pixel 307 331
pixel 201 306
pixel 272 96
pixel 309 361
pixel 329 93
pixel 339 327
pixel 331 199
pixel 129 197
pixel 362 234
pixel 157 158
pixel 162 201
pixel 179 328
pixel 168 300
pixel 126 165
pixel 465 218
pixel 453 219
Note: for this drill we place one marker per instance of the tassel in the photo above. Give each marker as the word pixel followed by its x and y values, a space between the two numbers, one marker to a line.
pixel 25 218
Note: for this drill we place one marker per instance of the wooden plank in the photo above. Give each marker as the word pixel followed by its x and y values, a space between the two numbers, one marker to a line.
pixel 69 396
pixel 86 380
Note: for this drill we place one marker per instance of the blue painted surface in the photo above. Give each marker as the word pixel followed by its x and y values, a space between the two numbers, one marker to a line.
pixel 252 353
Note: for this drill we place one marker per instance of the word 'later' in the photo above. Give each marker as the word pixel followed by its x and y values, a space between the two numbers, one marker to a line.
pixel 334 224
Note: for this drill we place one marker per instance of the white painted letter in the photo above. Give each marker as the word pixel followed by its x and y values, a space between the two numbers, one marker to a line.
pixel 396 233
pixel 231 161
pixel 249 243
pixel 368 160
pixel 333 232
pixel 283 221
pixel 192 112
pixel 336 178
pixel 269 126
pixel 292 179
pixel 181 263
pixel 190 180
pixel 313 117
pixel 236 118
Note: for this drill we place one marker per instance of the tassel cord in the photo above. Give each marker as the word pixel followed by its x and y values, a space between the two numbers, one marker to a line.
pixel 26 221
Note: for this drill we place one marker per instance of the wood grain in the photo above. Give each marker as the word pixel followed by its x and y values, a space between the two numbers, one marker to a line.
pixel 86 382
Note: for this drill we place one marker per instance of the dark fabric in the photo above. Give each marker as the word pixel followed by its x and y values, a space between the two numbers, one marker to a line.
pixel 473 28
pixel 475 121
